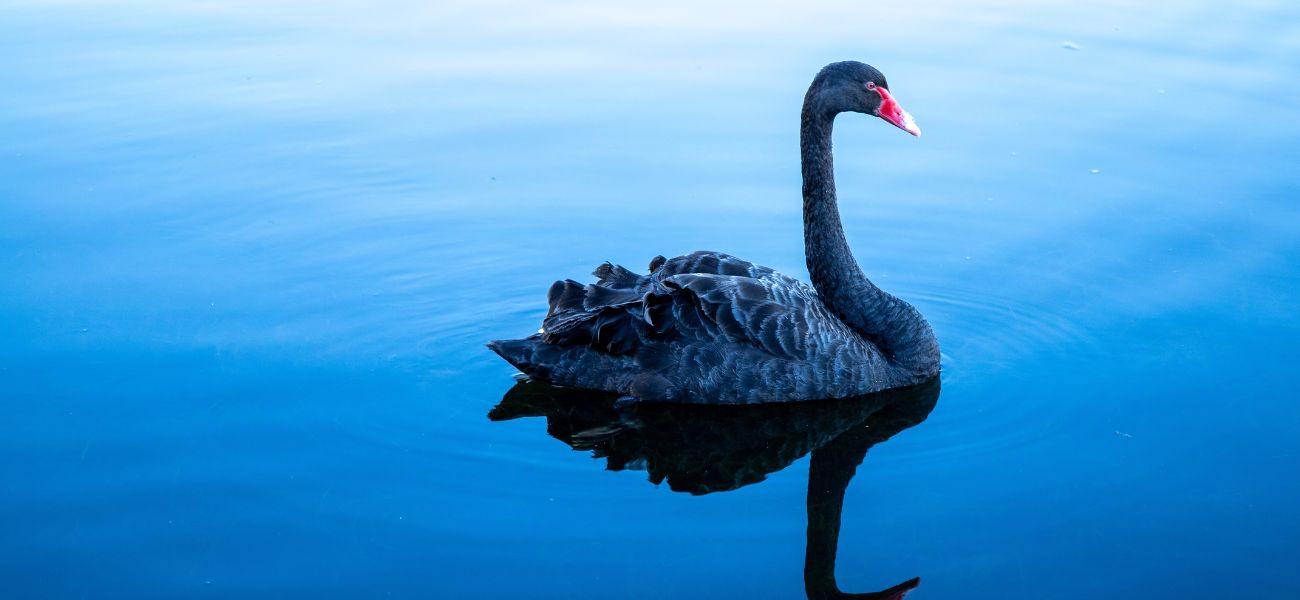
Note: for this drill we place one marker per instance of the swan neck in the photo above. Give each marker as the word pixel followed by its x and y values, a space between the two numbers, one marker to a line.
pixel 830 261
pixel 894 326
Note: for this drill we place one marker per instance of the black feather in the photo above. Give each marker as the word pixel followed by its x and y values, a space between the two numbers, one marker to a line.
pixel 612 275
pixel 599 296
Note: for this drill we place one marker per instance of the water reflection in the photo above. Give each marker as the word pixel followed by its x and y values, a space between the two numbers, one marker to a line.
pixel 705 449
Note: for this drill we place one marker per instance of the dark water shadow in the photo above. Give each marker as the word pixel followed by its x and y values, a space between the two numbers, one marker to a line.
pixel 706 449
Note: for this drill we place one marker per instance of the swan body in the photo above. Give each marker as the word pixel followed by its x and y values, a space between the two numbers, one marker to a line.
pixel 711 328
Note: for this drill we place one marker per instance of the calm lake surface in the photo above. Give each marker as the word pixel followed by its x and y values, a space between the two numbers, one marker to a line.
pixel 252 252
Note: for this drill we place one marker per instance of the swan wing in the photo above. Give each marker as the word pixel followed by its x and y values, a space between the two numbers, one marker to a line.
pixel 778 315
pixel 709 262
pixel 701 297
pixel 739 334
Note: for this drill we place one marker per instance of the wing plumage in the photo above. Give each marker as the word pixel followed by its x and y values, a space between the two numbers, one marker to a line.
pixel 705 327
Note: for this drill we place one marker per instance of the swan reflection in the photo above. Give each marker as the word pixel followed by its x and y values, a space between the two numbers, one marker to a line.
pixel 701 449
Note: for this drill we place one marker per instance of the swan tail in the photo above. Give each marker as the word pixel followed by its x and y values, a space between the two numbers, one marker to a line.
pixel 577 366
pixel 522 354
pixel 540 360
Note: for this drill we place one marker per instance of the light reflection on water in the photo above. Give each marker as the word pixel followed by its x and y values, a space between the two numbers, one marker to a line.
pixel 252 252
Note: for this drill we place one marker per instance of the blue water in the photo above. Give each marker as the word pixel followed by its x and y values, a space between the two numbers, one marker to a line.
pixel 252 251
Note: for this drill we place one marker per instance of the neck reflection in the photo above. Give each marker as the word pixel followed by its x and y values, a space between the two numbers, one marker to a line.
pixel 705 449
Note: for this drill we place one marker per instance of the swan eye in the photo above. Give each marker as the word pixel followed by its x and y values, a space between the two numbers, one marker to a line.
pixel 871 85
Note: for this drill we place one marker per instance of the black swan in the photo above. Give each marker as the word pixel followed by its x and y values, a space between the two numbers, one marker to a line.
pixel 711 328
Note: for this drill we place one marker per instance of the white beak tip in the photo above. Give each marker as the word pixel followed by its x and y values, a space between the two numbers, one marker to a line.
pixel 910 126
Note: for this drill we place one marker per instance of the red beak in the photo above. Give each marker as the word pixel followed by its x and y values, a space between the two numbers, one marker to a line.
pixel 892 112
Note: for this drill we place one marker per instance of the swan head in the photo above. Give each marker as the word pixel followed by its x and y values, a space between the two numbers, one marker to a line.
pixel 851 86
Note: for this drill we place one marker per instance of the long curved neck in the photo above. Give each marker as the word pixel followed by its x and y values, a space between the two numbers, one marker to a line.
pixel 892 324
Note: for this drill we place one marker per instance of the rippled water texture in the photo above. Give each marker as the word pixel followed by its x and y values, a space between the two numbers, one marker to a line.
pixel 252 251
